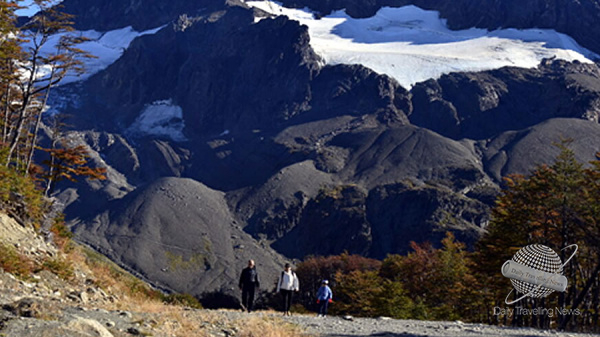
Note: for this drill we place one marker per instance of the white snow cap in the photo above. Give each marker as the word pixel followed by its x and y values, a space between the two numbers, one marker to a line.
pixel 413 45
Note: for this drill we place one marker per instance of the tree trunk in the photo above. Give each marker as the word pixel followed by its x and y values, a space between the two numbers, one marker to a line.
pixel 28 93
pixel 39 121
pixel 23 111
pixel 5 129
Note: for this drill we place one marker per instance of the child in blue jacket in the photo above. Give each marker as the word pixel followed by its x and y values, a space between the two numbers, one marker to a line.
pixel 324 297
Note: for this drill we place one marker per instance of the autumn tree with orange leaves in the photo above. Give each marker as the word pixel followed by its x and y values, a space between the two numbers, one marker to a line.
pixel 556 205
pixel 35 73
pixel 69 163
pixel 34 59
pixel 427 283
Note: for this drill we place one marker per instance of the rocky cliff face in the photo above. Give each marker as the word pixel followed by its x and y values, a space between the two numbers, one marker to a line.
pixel 214 65
pixel 463 105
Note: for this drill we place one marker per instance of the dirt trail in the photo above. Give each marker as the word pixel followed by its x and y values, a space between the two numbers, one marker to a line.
pixel 333 326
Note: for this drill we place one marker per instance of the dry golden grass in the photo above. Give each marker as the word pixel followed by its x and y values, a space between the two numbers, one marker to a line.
pixel 268 327
pixel 109 276
pixel 182 323
pixel 175 321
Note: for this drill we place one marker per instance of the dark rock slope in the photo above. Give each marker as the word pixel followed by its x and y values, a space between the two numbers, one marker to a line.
pixel 481 105
pixel 223 62
pixel 520 151
pixel 178 234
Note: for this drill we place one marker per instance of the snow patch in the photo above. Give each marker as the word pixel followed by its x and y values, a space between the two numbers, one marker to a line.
pixel 413 45
pixel 161 118
pixel 29 8
pixel 107 47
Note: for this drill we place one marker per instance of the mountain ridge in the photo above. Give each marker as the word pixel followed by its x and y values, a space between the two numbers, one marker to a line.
pixel 574 18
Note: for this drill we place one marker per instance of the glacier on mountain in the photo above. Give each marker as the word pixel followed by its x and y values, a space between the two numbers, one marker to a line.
pixel 413 45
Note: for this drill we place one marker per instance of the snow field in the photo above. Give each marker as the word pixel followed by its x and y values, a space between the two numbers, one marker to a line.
pixel 413 45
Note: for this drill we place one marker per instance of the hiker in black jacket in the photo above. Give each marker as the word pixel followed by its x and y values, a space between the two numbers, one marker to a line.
pixel 249 282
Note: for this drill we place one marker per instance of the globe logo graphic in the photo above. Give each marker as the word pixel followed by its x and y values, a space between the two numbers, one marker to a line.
pixel 536 271
pixel 541 258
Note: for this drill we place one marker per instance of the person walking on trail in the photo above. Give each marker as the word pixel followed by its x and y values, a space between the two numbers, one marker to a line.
pixel 288 283
pixel 324 297
pixel 249 282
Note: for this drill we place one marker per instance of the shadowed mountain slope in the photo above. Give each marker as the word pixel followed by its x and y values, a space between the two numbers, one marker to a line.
pixel 178 234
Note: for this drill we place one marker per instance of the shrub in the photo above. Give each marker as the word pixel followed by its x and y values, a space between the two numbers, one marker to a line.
pixel 365 293
pixel 20 196
pixel 314 269
pixel 15 263
pixel 440 279
pixel 60 267
pixel 186 300
pixel 62 233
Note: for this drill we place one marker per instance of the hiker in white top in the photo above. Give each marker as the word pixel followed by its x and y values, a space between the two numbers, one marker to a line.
pixel 288 283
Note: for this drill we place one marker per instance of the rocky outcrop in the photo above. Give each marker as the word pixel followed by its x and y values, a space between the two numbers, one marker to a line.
pixel 49 305
pixel 402 213
pixel 24 237
pixel 355 90
pixel 382 221
pixel 223 62
pixel 484 104
pixel 335 213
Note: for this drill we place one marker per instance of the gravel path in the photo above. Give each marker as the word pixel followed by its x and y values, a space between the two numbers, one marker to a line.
pixel 333 326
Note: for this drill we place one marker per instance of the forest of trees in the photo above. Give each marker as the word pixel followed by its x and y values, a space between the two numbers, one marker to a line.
pixel 556 205
pixel 31 65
